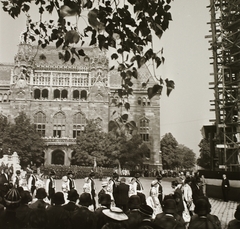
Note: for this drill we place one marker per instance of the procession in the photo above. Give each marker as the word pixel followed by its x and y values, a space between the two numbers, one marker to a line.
pixel 32 201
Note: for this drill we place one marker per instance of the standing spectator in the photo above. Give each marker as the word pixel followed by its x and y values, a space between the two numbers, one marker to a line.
pixel 71 182
pixel 235 223
pixel 121 195
pixel 139 188
pixel 32 182
pixel 187 194
pixel 72 197
pixel 113 183
pixel 17 180
pixel 196 189
pixel 51 185
pixel 65 187
pixel 160 189
pixel 92 188
pixel 204 185
pixel 203 219
pixel 132 189
pixel 4 183
pixel 104 190
pixel 225 187
pixel 40 203
pixel 146 213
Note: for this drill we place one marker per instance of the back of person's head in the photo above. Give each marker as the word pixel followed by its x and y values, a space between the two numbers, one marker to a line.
pixel 26 197
pixel 202 207
pixel 85 199
pixel 146 211
pixel 169 206
pixel 37 218
pixel 237 213
pixel 134 202
pixel 41 193
pixel 105 200
pixel 58 198
pixel 73 195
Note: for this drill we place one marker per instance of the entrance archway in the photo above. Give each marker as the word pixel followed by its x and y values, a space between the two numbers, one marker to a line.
pixel 58 157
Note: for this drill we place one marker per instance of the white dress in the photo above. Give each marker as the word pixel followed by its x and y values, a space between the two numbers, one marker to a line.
pixel 153 201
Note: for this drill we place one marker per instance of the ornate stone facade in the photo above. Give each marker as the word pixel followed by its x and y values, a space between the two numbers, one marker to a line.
pixel 59 98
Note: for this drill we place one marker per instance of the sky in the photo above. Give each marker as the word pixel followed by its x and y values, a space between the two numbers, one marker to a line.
pixel 187 62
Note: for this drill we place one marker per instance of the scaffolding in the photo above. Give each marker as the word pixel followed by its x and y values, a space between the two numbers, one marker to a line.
pixel 225 46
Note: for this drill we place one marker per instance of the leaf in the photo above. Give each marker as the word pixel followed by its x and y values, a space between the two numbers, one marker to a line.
pixel 124 117
pixel 114 56
pixel 127 106
pixel 81 52
pixel 112 68
pixel 170 86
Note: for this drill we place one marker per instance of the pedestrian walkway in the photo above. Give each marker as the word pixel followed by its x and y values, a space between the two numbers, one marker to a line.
pixel 223 210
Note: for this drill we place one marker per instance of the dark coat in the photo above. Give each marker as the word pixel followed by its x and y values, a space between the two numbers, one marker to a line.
pixel 210 222
pixel 101 219
pixel 121 194
pixel 164 221
pixel 70 206
pixel 234 224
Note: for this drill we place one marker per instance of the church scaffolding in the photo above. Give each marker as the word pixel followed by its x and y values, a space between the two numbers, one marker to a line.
pixel 225 46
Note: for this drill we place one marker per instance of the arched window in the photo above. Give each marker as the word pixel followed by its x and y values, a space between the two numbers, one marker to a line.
pixel 56 94
pixel 139 101
pixel 144 129
pixel 64 94
pixel 40 123
pixel 79 122
pixel 84 95
pixel 144 101
pixel 59 123
pixel 45 94
pixel 37 94
pixel 76 95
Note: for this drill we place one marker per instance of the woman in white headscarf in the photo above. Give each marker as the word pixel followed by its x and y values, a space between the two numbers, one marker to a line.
pixel 65 188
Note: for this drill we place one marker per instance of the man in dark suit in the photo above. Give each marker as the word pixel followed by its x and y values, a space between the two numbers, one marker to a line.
pixel 72 197
pixel 225 187
pixel 121 195
pixel 51 185
pixel 4 183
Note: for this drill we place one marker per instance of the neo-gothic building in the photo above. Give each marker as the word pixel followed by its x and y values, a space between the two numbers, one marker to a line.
pixel 59 98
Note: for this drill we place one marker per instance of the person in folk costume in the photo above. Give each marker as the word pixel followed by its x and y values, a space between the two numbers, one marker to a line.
pixel 71 182
pixel 187 195
pixel 132 190
pixel 92 188
pixel 153 200
pixel 113 183
pixel 17 180
pixel 160 189
pixel 104 191
pixel 65 187
pixel 32 182
pixel 139 188
pixel 51 185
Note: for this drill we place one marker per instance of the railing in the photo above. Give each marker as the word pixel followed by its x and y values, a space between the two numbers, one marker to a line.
pixel 59 141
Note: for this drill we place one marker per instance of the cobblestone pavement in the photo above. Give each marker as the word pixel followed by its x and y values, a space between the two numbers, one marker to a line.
pixel 224 210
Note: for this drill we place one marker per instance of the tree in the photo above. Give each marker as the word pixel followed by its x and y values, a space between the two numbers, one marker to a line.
pixel 22 137
pixel 169 151
pixel 188 157
pixel 204 159
pixel 128 28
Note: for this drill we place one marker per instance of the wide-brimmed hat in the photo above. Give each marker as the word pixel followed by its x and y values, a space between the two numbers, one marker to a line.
pixel 146 210
pixel 134 202
pixel 202 207
pixel 115 213
pixel 41 193
pixel 73 195
pixel 169 206
pixel 58 198
pixel 237 213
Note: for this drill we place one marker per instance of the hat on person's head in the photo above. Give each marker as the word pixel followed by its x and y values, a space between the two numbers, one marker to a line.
pixel 134 202
pixel 146 210
pixel 52 172
pixel 18 172
pixel 73 195
pixel 154 182
pixel 115 213
pixel 25 197
pixel 104 183
pixel 159 177
pixel 237 213
pixel 202 207
pixel 85 199
pixel 187 180
pixel 91 174
pixel 70 172
pixel 169 206
pixel 137 175
pixel 123 180
pixel 41 193
pixel 105 199
pixel 115 175
pixel 12 198
pixel 58 198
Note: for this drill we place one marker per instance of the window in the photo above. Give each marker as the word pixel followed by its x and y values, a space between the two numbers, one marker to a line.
pixel 144 129
pixel 75 95
pixel 37 94
pixel 40 123
pixel 79 122
pixel 59 121
pixel 45 94
pixel 139 101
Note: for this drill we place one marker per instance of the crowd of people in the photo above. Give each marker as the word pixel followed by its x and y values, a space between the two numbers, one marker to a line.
pixel 120 204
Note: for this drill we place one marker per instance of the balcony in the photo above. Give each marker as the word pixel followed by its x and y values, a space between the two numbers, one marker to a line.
pixel 59 141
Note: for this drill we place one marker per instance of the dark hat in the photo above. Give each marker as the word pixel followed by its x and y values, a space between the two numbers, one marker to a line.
pixel 52 172
pixel 18 172
pixel 137 175
pixel 12 198
pixel 115 175
pixel 146 210
pixel 159 177
pixel 187 180
pixel 70 172
pixel 85 199
pixel 73 195
pixel 91 174
pixel 169 206
pixel 41 193
pixel 105 199
pixel 25 197
pixel 58 198
pixel 237 213
pixel 134 202
pixel 202 207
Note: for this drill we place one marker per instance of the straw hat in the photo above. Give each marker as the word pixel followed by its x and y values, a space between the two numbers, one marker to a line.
pixel 115 213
